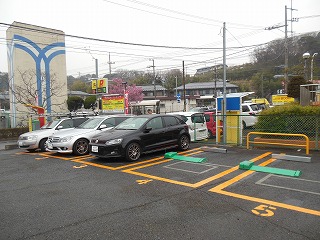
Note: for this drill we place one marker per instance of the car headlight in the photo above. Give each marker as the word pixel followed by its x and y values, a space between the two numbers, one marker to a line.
pixel 66 139
pixel 32 137
pixel 114 141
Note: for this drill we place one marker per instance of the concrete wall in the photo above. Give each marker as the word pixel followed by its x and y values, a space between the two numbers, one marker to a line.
pixel 37 70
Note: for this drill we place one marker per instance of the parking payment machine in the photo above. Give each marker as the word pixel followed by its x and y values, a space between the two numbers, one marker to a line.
pixel 233 129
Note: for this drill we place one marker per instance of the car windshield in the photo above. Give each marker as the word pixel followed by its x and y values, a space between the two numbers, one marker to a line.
pixel 90 123
pixel 132 123
pixel 50 125
pixel 254 107
pixel 198 109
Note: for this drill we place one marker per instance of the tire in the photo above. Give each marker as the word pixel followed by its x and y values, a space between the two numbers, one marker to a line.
pixel 184 143
pixel 210 135
pixel 81 147
pixel 244 124
pixel 133 152
pixel 43 144
pixel 31 150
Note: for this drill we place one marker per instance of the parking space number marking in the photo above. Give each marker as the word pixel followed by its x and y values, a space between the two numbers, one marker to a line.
pixel 143 181
pixel 264 210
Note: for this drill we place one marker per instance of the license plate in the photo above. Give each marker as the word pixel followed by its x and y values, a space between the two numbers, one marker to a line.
pixel 49 145
pixel 94 148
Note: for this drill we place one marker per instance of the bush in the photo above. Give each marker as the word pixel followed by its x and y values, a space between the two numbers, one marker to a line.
pixel 291 118
pixel 12 133
pixel 74 103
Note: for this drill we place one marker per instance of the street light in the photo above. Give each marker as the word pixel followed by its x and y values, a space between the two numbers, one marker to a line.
pixel 311 76
pixel 305 56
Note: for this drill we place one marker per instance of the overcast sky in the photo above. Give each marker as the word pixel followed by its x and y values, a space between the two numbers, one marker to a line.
pixel 170 23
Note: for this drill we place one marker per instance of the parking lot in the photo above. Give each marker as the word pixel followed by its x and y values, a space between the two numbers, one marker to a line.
pixel 55 196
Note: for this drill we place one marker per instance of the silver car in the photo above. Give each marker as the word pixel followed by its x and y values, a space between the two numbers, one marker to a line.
pixel 31 141
pixel 77 140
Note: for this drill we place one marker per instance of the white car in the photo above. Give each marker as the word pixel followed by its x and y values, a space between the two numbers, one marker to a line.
pixel 77 140
pixel 249 114
pixel 31 141
pixel 197 124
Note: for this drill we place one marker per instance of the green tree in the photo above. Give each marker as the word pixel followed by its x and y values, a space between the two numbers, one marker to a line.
pixel 74 103
pixel 172 78
pixel 79 85
pixel 294 86
pixel 89 102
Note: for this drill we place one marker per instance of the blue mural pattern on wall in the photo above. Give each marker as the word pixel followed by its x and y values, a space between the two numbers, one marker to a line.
pixel 41 55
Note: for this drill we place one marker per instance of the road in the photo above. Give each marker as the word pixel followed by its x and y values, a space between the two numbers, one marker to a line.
pixel 53 196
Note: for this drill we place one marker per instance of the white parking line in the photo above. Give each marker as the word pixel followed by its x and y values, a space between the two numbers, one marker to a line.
pixel 261 182
pixel 211 167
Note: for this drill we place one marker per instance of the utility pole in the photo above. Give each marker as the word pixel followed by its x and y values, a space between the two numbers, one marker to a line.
pixel 154 79
pixel 96 60
pixel 184 88
pixel 286 52
pixel 215 81
pixel 110 64
pixel 176 86
pixel 224 103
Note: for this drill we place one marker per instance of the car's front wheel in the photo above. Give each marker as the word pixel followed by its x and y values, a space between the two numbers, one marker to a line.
pixel 81 147
pixel 43 144
pixel 133 152
pixel 184 143
pixel 210 135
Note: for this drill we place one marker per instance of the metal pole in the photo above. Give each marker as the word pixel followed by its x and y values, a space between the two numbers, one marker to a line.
pixel 176 86
pixel 224 109
pixel 311 76
pixel 154 80
pixel 184 88
pixel 97 94
pixel 286 52
pixel 96 68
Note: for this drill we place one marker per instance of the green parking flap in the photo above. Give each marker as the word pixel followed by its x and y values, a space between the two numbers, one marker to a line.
pixel 248 165
pixel 175 156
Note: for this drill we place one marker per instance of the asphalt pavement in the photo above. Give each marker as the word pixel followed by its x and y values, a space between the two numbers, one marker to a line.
pixel 60 196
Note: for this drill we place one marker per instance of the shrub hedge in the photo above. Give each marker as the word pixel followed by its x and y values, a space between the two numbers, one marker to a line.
pixel 12 133
pixel 291 118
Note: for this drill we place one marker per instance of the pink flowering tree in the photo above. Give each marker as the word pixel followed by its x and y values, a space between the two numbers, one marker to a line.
pixel 117 87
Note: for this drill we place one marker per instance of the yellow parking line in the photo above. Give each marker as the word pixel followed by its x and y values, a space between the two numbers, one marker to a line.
pixel 193 185
pixel 226 172
pixel 128 165
pixel 219 189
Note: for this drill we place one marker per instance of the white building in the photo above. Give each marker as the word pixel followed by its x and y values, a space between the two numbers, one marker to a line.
pixel 37 70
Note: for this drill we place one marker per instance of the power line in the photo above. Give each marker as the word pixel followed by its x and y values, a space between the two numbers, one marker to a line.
pixel 117 42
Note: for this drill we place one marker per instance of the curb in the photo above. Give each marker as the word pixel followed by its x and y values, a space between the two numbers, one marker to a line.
pixel 10 146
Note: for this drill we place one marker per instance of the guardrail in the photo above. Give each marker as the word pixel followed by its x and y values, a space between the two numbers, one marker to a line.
pixel 292 142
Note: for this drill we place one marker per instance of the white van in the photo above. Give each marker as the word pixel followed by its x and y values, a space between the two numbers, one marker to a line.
pixel 249 114
pixel 197 124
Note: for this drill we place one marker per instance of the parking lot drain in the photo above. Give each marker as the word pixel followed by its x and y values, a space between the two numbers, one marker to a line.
pixel 248 165
pixel 175 156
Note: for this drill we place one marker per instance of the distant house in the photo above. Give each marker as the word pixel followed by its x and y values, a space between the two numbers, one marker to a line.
pixel 81 94
pixel 148 91
pixel 207 88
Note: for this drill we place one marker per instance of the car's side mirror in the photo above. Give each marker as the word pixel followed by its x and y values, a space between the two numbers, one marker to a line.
pixel 102 126
pixel 147 129
pixel 59 127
